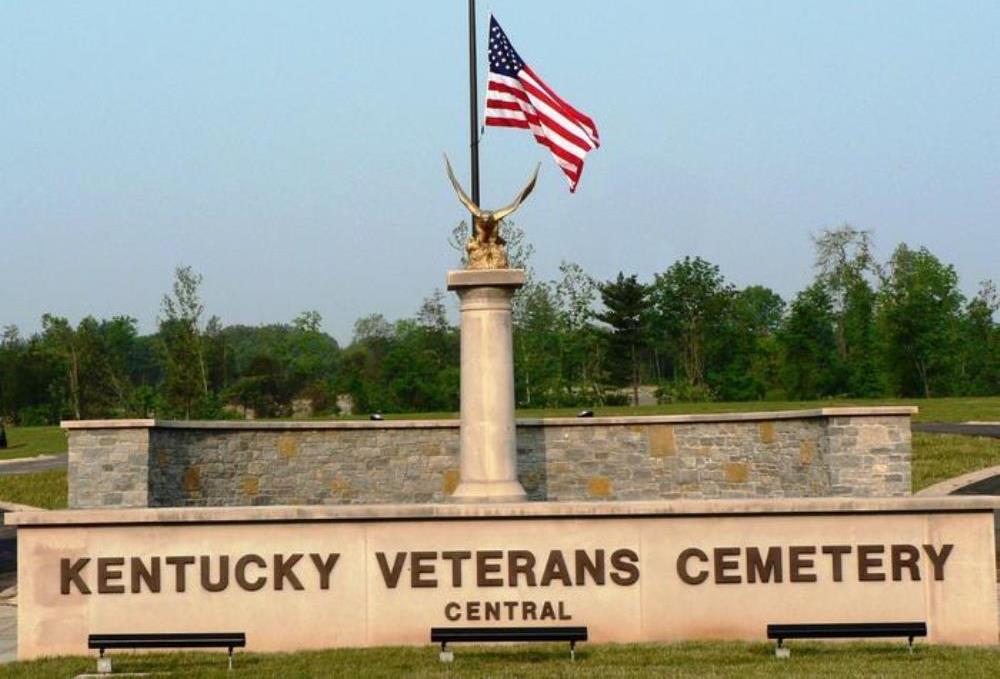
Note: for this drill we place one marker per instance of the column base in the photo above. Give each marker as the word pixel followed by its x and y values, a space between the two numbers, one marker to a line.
pixel 489 491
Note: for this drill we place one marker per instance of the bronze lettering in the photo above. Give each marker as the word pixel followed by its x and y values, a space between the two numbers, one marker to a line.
pixel 284 570
pixel 139 574
pixel 584 565
pixel 529 610
pixel 563 615
pixel 241 572
pixel 682 571
pixel 520 562
pixel 723 562
pixel 453 611
pixel 69 574
pixel 484 568
pixel 206 574
pixel 472 611
pixel 625 562
pixel 905 556
pixel 105 575
pixel 492 611
pixel 391 575
pixel 419 568
pixel 765 569
pixel 867 560
pixel 556 569
pixel 548 612
pixel 456 559
pixel 938 558
pixel 797 563
pixel 324 567
pixel 511 606
pixel 180 564
pixel 837 553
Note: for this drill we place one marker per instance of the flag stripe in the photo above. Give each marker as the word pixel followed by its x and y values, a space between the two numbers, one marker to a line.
pixel 563 104
pixel 517 97
pixel 554 120
pixel 541 100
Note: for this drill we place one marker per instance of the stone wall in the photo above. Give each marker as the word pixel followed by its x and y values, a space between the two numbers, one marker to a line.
pixel 855 452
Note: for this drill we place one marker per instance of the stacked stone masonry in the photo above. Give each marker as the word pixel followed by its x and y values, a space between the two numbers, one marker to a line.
pixel 828 452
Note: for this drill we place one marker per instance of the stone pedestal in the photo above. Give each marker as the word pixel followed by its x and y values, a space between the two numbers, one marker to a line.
pixel 488 439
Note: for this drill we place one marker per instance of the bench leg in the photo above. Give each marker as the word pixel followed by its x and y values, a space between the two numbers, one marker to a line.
pixel 780 651
pixel 572 651
pixel 103 664
pixel 445 655
pixel 909 643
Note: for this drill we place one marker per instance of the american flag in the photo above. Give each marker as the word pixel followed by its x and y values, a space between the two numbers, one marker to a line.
pixel 517 97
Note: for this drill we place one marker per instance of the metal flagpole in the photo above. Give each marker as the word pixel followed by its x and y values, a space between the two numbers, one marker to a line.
pixel 473 102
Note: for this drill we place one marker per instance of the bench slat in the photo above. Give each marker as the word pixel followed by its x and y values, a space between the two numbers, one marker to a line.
pixel 457 634
pixel 847 630
pixel 169 640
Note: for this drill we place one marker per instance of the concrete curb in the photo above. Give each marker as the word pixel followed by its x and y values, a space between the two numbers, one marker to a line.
pixel 20 460
pixel 948 486
pixel 15 507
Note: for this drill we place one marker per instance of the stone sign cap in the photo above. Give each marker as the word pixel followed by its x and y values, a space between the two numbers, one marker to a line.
pixel 495 278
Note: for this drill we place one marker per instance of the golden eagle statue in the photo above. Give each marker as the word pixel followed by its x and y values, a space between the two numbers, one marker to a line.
pixel 486 247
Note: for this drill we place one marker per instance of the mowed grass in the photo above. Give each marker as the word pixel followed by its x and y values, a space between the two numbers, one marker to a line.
pixel 938 457
pixel 703 659
pixel 46 489
pixel 33 441
pixel 983 409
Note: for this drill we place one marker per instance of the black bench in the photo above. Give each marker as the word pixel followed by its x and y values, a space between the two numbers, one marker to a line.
pixel 447 635
pixel 228 640
pixel 848 630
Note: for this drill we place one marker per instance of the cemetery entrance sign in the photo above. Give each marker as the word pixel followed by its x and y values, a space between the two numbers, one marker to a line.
pixel 318 577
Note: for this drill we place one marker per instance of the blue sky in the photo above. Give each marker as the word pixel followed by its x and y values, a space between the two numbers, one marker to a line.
pixel 291 151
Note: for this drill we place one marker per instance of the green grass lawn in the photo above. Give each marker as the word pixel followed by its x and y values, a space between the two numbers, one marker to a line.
pixel 32 441
pixel 937 457
pixel 985 408
pixel 41 489
pixel 539 661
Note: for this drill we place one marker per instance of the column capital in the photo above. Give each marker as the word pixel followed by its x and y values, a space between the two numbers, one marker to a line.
pixel 485 278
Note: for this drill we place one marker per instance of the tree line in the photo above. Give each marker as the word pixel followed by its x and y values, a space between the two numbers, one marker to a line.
pixel 862 328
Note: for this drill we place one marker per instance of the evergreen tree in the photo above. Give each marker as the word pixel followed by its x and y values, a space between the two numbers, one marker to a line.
pixel 625 301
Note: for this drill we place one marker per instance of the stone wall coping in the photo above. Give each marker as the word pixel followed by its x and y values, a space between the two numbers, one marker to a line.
pixel 870 411
pixel 522 510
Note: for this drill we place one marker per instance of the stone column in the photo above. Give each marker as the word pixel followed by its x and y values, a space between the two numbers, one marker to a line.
pixel 488 457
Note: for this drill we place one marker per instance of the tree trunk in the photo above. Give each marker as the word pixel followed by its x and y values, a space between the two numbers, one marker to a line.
pixel 635 377
pixel 74 381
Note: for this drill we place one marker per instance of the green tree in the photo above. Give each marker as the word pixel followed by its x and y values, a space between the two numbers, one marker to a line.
pixel 847 267
pixel 625 300
pixel 584 344
pixel 185 371
pixel 980 343
pixel 809 344
pixel 691 300
pixel 538 347
pixel 746 347
pixel 920 316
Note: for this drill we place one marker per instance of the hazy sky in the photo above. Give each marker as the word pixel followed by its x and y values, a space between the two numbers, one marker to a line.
pixel 291 151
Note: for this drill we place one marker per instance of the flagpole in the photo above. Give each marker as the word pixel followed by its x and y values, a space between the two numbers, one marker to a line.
pixel 473 98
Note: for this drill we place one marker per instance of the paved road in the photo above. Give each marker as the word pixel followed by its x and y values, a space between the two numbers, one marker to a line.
pixel 34 464
pixel 992 430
